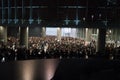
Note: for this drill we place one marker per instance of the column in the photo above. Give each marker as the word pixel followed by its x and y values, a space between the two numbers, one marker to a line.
pixel 118 35
pixel 84 33
pixel 43 34
pixel 88 34
pixel 101 40
pixel 114 35
pixel 97 40
pixel 3 34
pixel 80 33
pixel 24 36
pixel 59 33
pixel 115 32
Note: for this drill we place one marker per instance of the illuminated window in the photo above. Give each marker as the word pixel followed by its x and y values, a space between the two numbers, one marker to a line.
pixel 51 31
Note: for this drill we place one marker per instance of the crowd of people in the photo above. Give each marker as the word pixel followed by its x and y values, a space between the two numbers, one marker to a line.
pixel 51 47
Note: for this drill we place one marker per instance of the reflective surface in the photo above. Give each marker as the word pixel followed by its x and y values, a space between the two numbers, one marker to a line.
pixel 29 70
pixel 63 69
